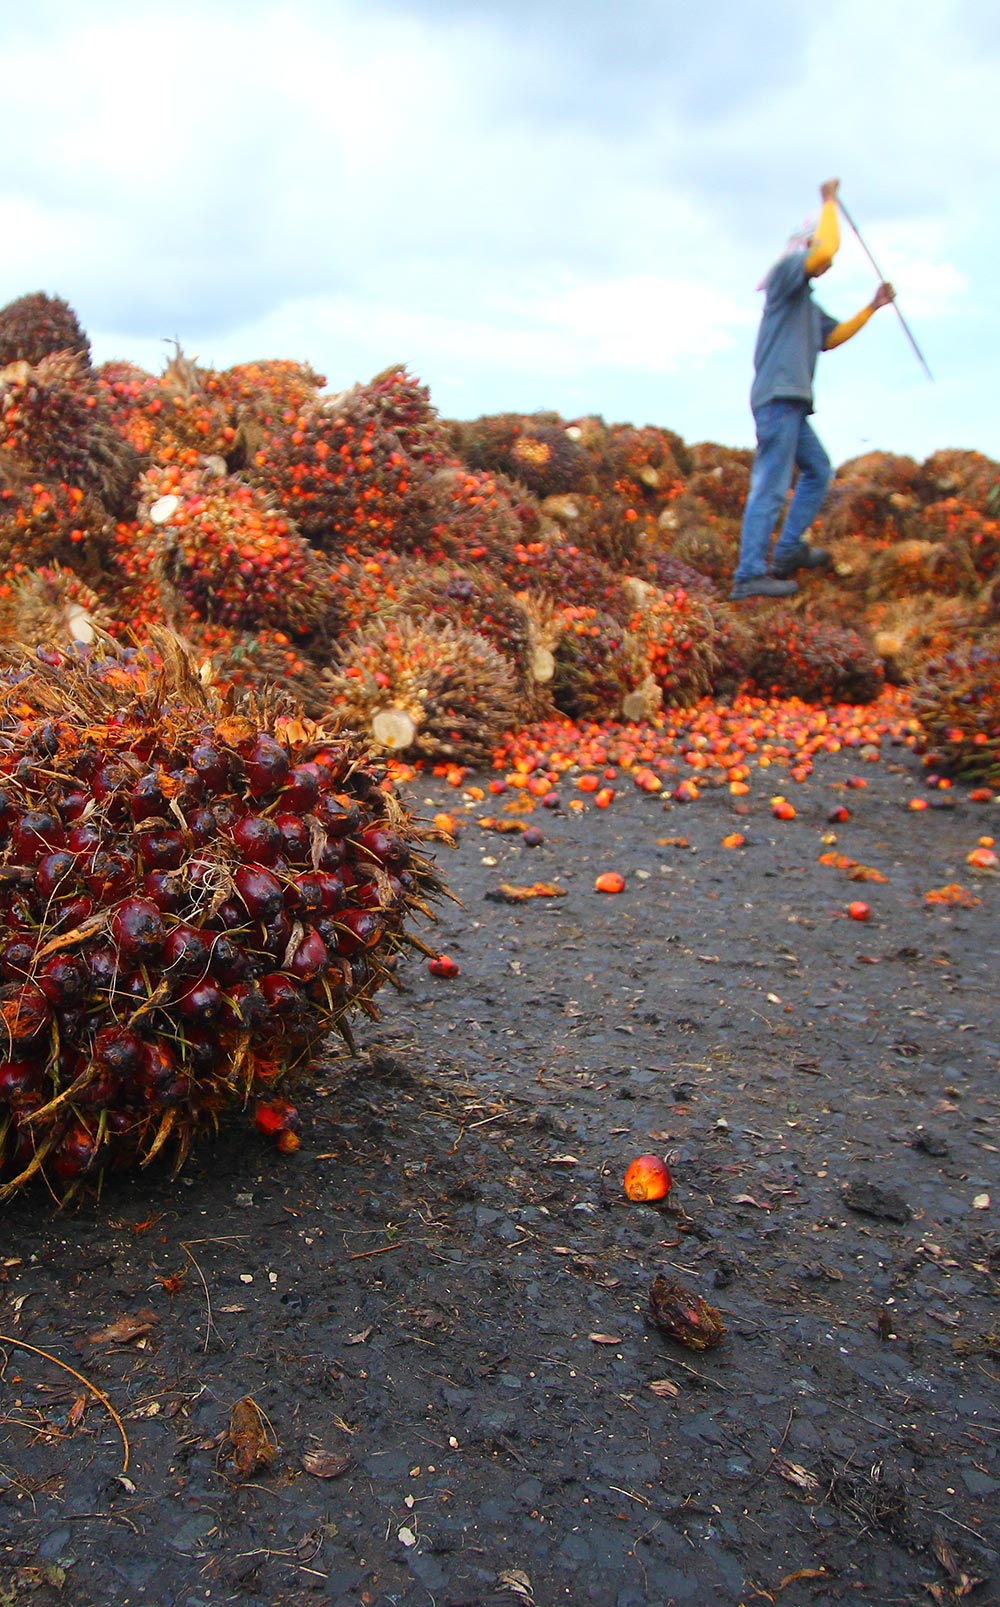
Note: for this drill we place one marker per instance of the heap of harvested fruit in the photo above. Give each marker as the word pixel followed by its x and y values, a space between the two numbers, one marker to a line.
pixel 193 894
pixel 958 704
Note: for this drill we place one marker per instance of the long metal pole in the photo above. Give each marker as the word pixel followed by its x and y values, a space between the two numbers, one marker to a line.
pixel 906 328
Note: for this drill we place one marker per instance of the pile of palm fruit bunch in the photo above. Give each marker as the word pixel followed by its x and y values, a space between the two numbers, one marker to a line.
pixel 195 889
pixel 434 582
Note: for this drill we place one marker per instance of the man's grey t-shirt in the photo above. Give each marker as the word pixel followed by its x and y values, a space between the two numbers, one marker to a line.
pixel 793 332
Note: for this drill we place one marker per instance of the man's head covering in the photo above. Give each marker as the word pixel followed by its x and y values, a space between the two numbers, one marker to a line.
pixel 801 240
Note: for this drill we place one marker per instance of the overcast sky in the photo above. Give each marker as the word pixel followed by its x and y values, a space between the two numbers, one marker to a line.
pixel 560 204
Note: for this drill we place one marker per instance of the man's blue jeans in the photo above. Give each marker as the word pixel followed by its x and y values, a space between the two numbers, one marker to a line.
pixel 785 441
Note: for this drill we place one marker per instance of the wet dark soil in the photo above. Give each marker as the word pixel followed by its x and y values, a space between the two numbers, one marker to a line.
pixel 438 1305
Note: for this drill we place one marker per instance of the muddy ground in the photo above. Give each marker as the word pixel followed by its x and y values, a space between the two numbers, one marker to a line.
pixel 439 1303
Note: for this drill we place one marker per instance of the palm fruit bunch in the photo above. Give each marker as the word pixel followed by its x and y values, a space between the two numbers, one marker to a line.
pixel 969 477
pixel 404 406
pixel 676 635
pixel 646 467
pixel 194 894
pixel 52 522
pixel 338 471
pixel 957 701
pixel 694 535
pixel 233 559
pixel 613 528
pixel 954 522
pixel 874 496
pixel 258 660
pixel 56 427
pixel 794 655
pixel 911 566
pixel 464 516
pixel 474 599
pixel 184 420
pixel 538 450
pixel 721 479
pixel 425 690
pixel 670 573
pixel 908 632
pixel 50 606
pixel 597 669
pixel 35 326
pixel 266 391
pixel 564 571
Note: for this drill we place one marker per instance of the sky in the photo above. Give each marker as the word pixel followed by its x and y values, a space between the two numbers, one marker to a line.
pixel 532 204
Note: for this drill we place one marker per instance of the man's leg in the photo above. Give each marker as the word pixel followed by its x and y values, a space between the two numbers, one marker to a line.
pixel 779 426
pixel 815 473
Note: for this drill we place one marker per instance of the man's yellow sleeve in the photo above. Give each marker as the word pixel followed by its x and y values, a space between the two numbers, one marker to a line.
pixel 849 327
pixel 825 241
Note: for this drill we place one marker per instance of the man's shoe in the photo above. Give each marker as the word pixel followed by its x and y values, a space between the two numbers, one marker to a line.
pixel 762 586
pixel 804 557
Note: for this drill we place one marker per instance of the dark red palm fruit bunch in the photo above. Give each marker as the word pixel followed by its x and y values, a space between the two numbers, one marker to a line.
pixel 793 655
pixel 194 893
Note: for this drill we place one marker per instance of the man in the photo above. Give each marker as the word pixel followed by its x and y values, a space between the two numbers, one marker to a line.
pixel 793 332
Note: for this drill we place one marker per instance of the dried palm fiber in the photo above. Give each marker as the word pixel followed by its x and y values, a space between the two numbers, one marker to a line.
pixel 874 496
pixel 196 892
pixel 957 701
pixel 909 567
pixel 799 656
pixel 56 427
pixel 229 555
pixel 424 690
pixel 536 450
pixel 50 606
pixel 908 632
pixel 599 670
pixel 36 326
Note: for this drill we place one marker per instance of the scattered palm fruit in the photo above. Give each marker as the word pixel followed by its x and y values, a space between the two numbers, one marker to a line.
pixel 648 1178
pixel 610 881
pixel 858 910
pixel 194 894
